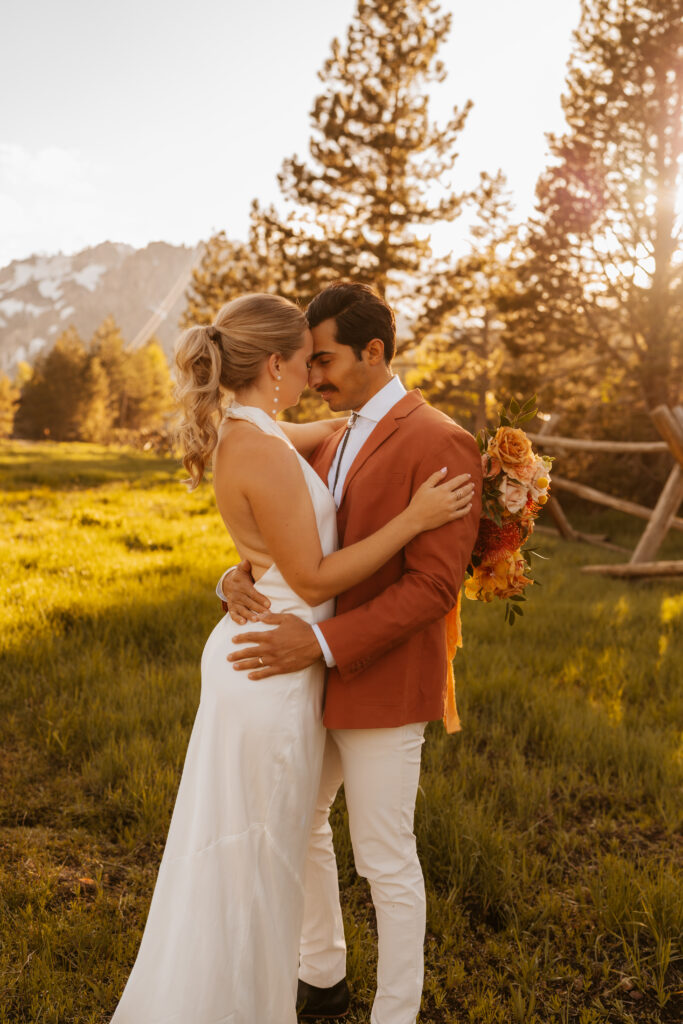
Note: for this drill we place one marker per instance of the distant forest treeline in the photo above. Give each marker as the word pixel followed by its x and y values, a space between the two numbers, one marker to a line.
pixel 103 391
pixel 582 305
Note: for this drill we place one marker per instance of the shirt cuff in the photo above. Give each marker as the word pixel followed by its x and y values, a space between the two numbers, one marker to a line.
pixel 219 586
pixel 327 653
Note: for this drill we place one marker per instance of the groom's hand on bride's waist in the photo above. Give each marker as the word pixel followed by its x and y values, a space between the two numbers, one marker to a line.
pixel 291 646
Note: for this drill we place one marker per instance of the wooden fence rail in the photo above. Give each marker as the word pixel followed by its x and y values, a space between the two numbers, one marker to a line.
pixel 631 508
pixel 577 444
pixel 660 519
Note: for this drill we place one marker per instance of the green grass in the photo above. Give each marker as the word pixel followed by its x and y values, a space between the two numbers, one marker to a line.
pixel 549 829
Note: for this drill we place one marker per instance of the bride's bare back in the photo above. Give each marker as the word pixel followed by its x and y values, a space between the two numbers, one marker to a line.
pixel 260 489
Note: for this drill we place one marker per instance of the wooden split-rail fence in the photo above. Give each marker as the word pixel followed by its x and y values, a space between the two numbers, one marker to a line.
pixel 660 519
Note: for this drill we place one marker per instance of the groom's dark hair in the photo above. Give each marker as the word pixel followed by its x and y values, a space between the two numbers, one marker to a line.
pixel 359 313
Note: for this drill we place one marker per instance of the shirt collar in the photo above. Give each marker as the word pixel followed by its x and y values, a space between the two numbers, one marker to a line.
pixel 379 405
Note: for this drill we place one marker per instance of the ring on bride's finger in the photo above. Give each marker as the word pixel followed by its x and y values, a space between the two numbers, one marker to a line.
pixel 260 661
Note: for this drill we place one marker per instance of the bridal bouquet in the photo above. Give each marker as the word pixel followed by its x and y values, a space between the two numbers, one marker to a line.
pixel 516 483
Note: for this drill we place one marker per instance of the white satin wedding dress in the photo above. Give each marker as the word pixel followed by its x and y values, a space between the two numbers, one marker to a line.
pixel 221 941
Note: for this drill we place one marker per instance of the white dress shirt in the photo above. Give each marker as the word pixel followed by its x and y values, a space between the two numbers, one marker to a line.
pixel 367 418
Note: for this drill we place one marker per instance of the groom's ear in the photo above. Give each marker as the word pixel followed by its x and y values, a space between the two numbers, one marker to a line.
pixel 374 352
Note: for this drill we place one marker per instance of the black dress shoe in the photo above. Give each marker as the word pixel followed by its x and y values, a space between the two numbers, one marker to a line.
pixel 320 1003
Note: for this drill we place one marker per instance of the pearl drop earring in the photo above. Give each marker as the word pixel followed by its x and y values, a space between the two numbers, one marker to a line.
pixel 276 399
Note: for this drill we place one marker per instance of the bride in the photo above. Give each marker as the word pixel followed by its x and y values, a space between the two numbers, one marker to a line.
pixel 221 941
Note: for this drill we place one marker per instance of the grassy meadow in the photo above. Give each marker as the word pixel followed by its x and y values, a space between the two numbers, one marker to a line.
pixel 549 829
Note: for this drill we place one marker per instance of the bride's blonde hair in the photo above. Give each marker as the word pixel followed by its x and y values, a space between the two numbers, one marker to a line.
pixel 224 357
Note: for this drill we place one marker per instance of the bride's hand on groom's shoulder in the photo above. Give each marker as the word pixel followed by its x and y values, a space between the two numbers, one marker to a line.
pixel 244 603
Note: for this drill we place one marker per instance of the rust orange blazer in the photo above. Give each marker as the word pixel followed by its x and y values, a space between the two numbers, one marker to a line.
pixel 388 635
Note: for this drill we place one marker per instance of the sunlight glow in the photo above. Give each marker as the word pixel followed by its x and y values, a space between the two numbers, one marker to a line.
pixel 671 609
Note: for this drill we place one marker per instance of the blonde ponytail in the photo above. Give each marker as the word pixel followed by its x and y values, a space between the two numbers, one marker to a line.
pixel 224 357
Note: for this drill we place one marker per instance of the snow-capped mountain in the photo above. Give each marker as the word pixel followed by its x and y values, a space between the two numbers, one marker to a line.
pixel 43 295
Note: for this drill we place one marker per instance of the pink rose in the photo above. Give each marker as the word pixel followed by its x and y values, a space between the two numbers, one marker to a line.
pixel 524 472
pixel 513 495
pixel 490 466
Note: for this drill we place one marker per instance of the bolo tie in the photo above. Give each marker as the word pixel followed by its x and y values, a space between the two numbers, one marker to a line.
pixel 342 447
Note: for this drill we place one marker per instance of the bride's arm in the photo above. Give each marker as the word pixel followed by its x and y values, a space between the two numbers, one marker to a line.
pixel 307 436
pixel 271 479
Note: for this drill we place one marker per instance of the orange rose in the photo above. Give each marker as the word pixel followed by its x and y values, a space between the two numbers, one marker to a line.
pixel 512 448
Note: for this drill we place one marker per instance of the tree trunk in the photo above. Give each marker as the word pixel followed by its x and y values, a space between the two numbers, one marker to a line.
pixel 484 382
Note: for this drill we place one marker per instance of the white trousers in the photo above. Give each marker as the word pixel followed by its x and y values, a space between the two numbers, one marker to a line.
pixel 380 769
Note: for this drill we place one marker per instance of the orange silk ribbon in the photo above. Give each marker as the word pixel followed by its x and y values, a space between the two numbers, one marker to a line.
pixel 453 641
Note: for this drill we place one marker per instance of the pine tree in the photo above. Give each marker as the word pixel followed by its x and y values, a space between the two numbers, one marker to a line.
pixel 139 387
pixel 9 399
pixel 360 205
pixel 462 358
pixel 108 347
pixel 51 402
pixel 359 209
pixel 93 421
pixel 151 395
pixel 226 269
pixel 604 281
pixel 229 268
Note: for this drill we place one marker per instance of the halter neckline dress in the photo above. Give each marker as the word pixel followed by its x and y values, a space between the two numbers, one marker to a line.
pixel 221 943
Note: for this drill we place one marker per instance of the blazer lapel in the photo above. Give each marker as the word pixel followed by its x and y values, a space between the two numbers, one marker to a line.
pixel 324 455
pixel 384 429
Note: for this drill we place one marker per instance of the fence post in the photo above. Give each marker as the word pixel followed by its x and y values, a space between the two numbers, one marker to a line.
pixel 553 508
pixel 670 426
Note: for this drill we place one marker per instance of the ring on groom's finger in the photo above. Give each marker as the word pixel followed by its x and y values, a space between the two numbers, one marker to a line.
pixel 260 661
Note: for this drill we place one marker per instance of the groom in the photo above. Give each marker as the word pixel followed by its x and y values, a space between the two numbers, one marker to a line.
pixel 385 648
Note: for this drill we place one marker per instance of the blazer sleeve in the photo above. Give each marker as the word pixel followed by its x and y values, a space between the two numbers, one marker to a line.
pixel 434 570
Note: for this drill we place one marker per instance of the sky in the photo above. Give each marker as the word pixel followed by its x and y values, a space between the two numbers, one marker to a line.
pixel 147 120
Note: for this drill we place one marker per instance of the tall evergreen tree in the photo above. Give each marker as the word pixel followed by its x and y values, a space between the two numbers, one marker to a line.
pixel 139 384
pixel 360 206
pixel 51 403
pixel 225 270
pixel 462 358
pixel 151 396
pixel 229 268
pixel 93 420
pixel 108 347
pixel 604 279
pixel 9 399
